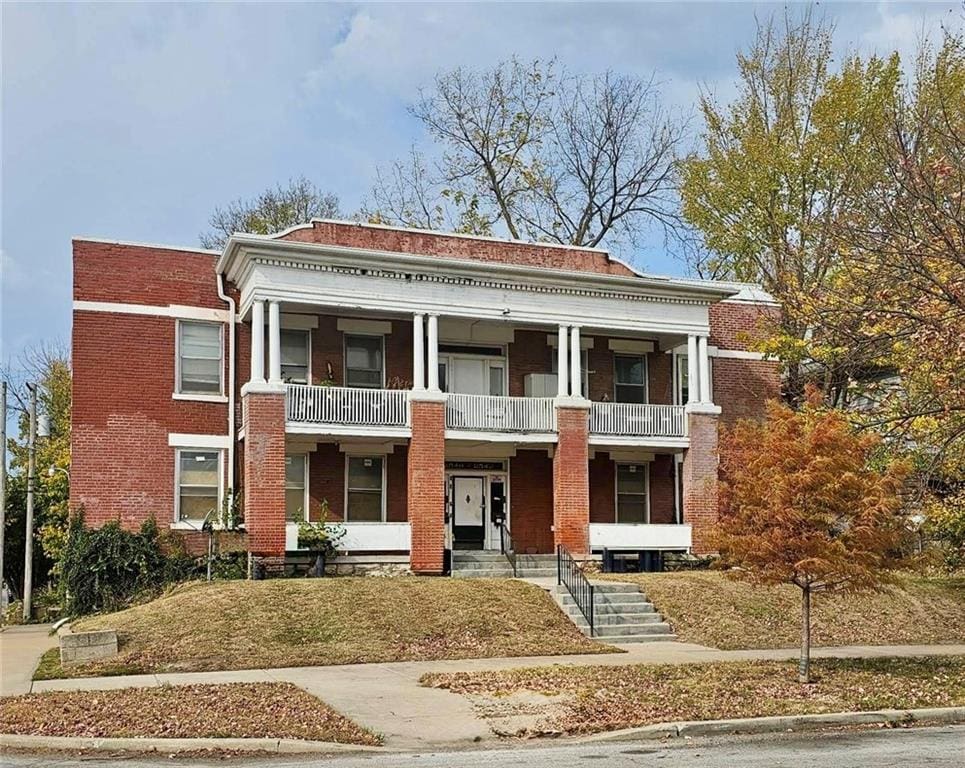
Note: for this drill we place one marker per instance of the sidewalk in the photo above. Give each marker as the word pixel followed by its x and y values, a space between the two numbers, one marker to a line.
pixel 21 647
pixel 388 699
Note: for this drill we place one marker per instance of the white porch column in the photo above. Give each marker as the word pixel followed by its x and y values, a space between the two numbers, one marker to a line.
pixel 705 396
pixel 693 383
pixel 274 343
pixel 576 376
pixel 433 353
pixel 257 343
pixel 562 380
pixel 418 352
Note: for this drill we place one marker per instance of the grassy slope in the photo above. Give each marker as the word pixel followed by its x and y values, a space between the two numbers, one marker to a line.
pixel 711 609
pixel 589 699
pixel 238 710
pixel 302 622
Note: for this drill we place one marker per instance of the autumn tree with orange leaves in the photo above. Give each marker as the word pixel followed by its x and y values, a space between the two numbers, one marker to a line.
pixel 802 503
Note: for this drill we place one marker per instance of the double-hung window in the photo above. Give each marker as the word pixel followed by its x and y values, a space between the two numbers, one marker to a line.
pixel 296 496
pixel 630 378
pixel 365 489
pixel 198 484
pixel 681 384
pixel 294 356
pixel 200 362
pixel 632 487
pixel 364 361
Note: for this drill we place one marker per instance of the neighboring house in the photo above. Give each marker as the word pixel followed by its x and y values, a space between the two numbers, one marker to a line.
pixel 421 384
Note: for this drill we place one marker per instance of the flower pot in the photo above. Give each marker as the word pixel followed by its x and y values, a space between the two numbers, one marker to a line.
pixel 318 569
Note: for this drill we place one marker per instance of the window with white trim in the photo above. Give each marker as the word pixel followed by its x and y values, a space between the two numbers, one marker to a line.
pixel 294 355
pixel 200 362
pixel 365 489
pixel 633 485
pixel 680 379
pixel 296 487
pixel 629 378
pixel 198 484
pixel 364 361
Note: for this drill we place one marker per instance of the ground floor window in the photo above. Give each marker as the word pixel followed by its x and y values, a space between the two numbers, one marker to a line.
pixel 296 487
pixel 632 488
pixel 198 484
pixel 365 489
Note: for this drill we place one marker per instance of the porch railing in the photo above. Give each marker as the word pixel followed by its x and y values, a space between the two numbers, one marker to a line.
pixel 507 546
pixel 571 576
pixel 500 414
pixel 347 405
pixel 638 419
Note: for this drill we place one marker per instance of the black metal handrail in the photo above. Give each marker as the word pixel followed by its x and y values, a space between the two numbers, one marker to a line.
pixel 507 546
pixel 571 576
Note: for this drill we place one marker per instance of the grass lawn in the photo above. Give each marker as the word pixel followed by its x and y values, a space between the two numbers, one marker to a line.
pixel 708 608
pixel 307 622
pixel 236 710
pixel 589 699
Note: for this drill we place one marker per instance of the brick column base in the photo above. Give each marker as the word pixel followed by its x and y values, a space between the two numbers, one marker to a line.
pixel 571 478
pixel 700 478
pixel 263 414
pixel 426 468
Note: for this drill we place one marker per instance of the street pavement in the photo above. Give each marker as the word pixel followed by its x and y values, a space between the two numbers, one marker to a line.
pixel 898 748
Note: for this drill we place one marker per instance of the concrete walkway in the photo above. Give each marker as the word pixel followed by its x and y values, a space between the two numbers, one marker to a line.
pixel 388 698
pixel 21 647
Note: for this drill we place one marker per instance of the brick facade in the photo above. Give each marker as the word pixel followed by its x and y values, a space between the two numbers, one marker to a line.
pixel 700 480
pixel 264 498
pixel 531 501
pixel 571 485
pixel 426 490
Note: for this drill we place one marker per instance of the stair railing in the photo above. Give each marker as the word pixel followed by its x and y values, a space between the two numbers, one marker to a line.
pixel 571 576
pixel 507 546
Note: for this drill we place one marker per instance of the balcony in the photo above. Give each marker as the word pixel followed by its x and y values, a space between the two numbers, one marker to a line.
pixel 625 420
pixel 514 415
pixel 347 406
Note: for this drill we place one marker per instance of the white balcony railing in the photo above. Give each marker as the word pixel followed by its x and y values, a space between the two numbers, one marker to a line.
pixel 636 420
pixel 643 536
pixel 347 405
pixel 500 414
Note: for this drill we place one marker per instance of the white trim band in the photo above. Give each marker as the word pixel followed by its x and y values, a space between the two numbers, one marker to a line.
pixel 181 440
pixel 740 354
pixel 177 311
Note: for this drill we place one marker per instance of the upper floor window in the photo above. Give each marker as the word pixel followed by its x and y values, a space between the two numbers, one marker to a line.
pixel 681 384
pixel 364 361
pixel 200 362
pixel 295 356
pixel 630 378
pixel 198 484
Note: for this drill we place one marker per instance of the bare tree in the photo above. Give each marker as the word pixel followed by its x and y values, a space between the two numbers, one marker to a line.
pixel 273 210
pixel 539 154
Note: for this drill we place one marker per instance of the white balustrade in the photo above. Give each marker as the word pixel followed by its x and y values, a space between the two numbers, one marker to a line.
pixel 500 414
pixel 638 419
pixel 347 405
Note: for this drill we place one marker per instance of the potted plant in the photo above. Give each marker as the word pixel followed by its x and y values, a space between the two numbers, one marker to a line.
pixel 321 539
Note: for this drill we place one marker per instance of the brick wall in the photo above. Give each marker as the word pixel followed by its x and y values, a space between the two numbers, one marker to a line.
pixel 396 482
pixel 264 496
pixel 737 325
pixel 531 501
pixel 742 387
pixel 326 480
pixel 571 491
pixel 661 489
pixel 700 480
pixel 529 353
pixel 602 489
pixel 439 244
pixel 426 486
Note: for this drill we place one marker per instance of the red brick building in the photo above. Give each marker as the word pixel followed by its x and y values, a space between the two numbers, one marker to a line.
pixel 421 386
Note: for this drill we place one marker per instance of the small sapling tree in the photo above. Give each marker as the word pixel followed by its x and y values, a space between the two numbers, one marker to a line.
pixel 802 503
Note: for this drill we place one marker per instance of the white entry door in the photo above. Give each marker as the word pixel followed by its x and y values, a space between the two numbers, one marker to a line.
pixel 468 512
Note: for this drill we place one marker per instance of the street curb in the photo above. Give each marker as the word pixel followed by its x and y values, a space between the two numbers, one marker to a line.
pixel 171 746
pixel 780 723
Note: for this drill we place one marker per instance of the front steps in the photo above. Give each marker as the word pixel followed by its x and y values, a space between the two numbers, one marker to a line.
pixel 493 565
pixel 621 614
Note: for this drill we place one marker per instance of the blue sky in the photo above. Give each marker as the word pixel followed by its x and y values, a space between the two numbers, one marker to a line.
pixel 132 121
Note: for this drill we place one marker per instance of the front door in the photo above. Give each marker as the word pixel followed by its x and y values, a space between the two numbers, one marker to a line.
pixel 468 512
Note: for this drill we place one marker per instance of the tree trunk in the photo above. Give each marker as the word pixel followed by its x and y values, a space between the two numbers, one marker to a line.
pixel 804 666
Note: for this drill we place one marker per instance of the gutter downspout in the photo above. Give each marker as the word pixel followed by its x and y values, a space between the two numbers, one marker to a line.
pixel 231 386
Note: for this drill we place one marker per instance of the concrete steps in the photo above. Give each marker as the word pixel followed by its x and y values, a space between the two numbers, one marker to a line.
pixel 493 565
pixel 621 614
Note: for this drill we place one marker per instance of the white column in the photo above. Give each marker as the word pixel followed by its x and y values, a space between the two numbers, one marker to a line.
pixel 705 396
pixel 576 377
pixel 274 343
pixel 693 383
pixel 418 352
pixel 257 343
pixel 562 380
pixel 433 353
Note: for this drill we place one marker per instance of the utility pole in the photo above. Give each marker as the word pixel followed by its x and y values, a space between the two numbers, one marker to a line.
pixel 3 473
pixel 28 571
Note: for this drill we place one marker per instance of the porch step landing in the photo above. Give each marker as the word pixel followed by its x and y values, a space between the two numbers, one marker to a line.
pixel 493 565
pixel 621 614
